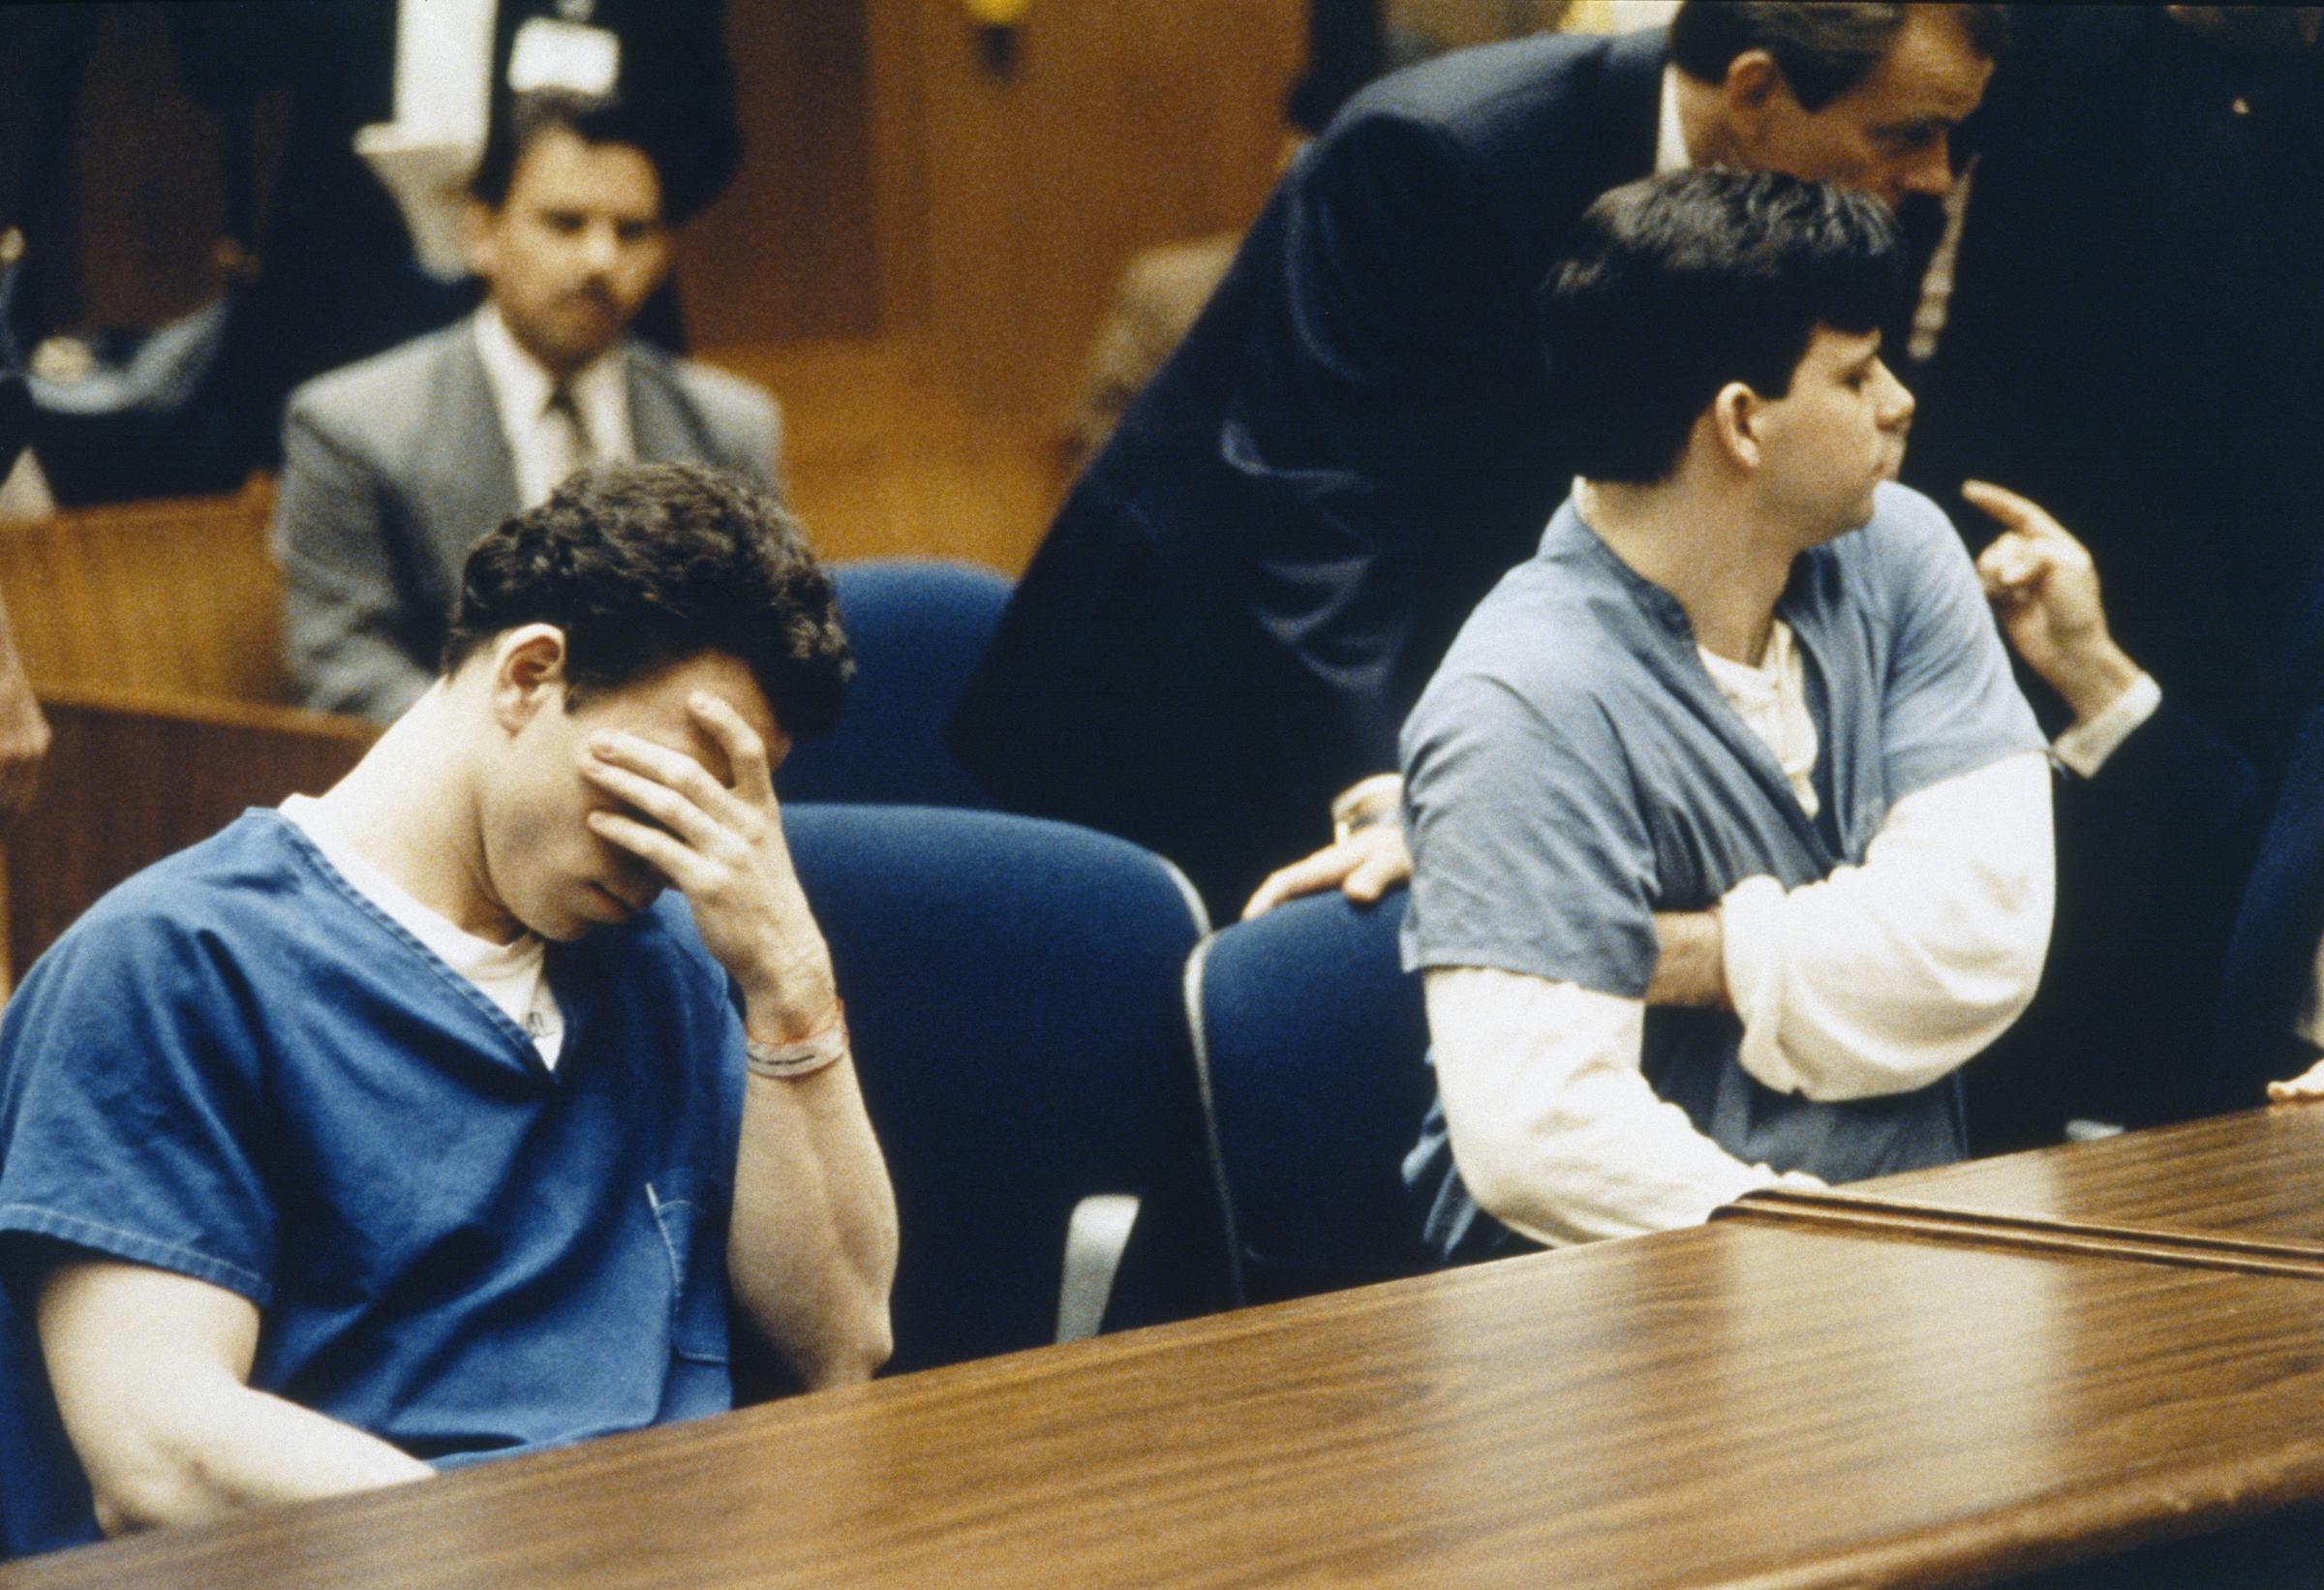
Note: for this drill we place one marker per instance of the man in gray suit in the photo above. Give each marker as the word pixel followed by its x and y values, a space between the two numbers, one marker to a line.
pixel 393 466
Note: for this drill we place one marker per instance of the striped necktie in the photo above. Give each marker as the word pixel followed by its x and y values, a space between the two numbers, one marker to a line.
pixel 571 446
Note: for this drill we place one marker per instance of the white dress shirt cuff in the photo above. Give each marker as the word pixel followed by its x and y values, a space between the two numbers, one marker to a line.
pixel 2083 749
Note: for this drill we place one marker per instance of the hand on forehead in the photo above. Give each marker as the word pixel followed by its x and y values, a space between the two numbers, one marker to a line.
pixel 706 709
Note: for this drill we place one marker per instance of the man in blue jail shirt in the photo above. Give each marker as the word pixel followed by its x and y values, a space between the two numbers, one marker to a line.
pixel 1732 834
pixel 415 1122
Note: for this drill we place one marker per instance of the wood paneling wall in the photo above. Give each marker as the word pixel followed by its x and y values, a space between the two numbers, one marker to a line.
pixel 1002 205
pixel 1120 123
pixel 788 250
pixel 898 181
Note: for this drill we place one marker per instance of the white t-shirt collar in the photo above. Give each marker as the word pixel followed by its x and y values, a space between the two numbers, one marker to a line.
pixel 513 976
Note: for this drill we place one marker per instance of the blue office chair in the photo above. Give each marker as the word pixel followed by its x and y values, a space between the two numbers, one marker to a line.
pixel 1012 986
pixel 44 1498
pixel 1312 1044
pixel 918 626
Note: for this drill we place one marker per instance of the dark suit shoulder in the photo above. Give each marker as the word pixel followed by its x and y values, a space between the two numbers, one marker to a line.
pixel 1518 89
pixel 1544 124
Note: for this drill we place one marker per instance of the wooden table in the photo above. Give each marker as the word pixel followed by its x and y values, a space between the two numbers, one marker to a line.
pixel 1764 1401
pixel 2242 1191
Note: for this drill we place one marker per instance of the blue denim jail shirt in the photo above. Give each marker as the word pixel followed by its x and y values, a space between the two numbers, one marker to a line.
pixel 238 1068
pixel 1571 769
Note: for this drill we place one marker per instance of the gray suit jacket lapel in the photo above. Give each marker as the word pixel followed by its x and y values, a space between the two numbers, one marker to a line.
pixel 468 481
pixel 663 427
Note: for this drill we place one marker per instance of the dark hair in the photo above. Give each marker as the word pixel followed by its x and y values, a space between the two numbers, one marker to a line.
pixel 1822 51
pixel 645 566
pixel 1677 284
pixel 519 122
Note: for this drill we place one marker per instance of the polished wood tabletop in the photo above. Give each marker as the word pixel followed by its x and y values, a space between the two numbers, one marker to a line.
pixel 1747 1403
pixel 2243 1191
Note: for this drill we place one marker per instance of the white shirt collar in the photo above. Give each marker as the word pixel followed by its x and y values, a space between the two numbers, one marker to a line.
pixel 1772 700
pixel 1670 139
pixel 513 976
pixel 521 388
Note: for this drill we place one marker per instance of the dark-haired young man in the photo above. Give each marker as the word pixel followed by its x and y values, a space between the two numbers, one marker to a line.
pixel 1731 831
pixel 393 466
pixel 414 1124
pixel 1249 585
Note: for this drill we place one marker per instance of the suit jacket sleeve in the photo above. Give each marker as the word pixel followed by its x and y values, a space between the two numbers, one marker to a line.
pixel 343 621
pixel 1352 425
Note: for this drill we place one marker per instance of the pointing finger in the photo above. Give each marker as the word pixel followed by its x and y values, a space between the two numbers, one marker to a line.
pixel 2020 515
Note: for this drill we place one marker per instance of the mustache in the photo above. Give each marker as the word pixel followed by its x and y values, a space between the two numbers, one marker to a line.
pixel 597 293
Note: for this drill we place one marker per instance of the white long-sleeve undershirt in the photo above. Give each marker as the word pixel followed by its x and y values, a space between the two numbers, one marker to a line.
pixel 1877 979
pixel 1554 1128
pixel 1883 977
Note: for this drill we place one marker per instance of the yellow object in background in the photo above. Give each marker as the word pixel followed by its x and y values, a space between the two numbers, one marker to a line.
pixel 1615 16
pixel 998 14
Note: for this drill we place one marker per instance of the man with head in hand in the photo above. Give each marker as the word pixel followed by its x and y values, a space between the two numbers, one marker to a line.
pixel 442 1116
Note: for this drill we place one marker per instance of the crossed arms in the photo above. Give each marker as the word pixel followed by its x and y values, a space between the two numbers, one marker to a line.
pixel 1878 979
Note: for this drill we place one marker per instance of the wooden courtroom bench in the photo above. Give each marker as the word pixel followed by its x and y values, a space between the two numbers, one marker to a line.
pixel 178 595
pixel 152 635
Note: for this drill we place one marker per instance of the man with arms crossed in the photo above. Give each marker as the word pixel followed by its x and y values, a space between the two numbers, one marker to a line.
pixel 1731 832
pixel 407 1124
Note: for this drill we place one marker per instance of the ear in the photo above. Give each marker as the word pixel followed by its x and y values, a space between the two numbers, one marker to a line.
pixel 1734 417
pixel 528 674
pixel 1753 87
pixel 480 231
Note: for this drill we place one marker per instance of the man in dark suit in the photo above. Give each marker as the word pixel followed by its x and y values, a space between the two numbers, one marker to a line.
pixel 2135 340
pixel 2249 881
pixel 394 465
pixel 1248 588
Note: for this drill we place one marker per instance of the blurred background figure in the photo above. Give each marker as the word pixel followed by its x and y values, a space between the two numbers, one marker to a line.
pixel 2136 341
pixel 317 263
pixel 394 465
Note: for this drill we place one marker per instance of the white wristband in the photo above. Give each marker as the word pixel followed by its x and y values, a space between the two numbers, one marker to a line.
pixel 788 1062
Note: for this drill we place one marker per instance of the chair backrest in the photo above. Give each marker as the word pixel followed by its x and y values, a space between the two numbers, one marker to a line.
pixel 918 627
pixel 179 595
pixel 1313 1044
pixel 1012 988
pixel 43 1497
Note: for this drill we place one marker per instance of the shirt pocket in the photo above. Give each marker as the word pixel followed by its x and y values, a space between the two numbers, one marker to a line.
pixel 690 1211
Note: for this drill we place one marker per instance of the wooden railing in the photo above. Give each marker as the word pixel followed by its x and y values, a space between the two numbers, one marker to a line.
pixel 152 635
